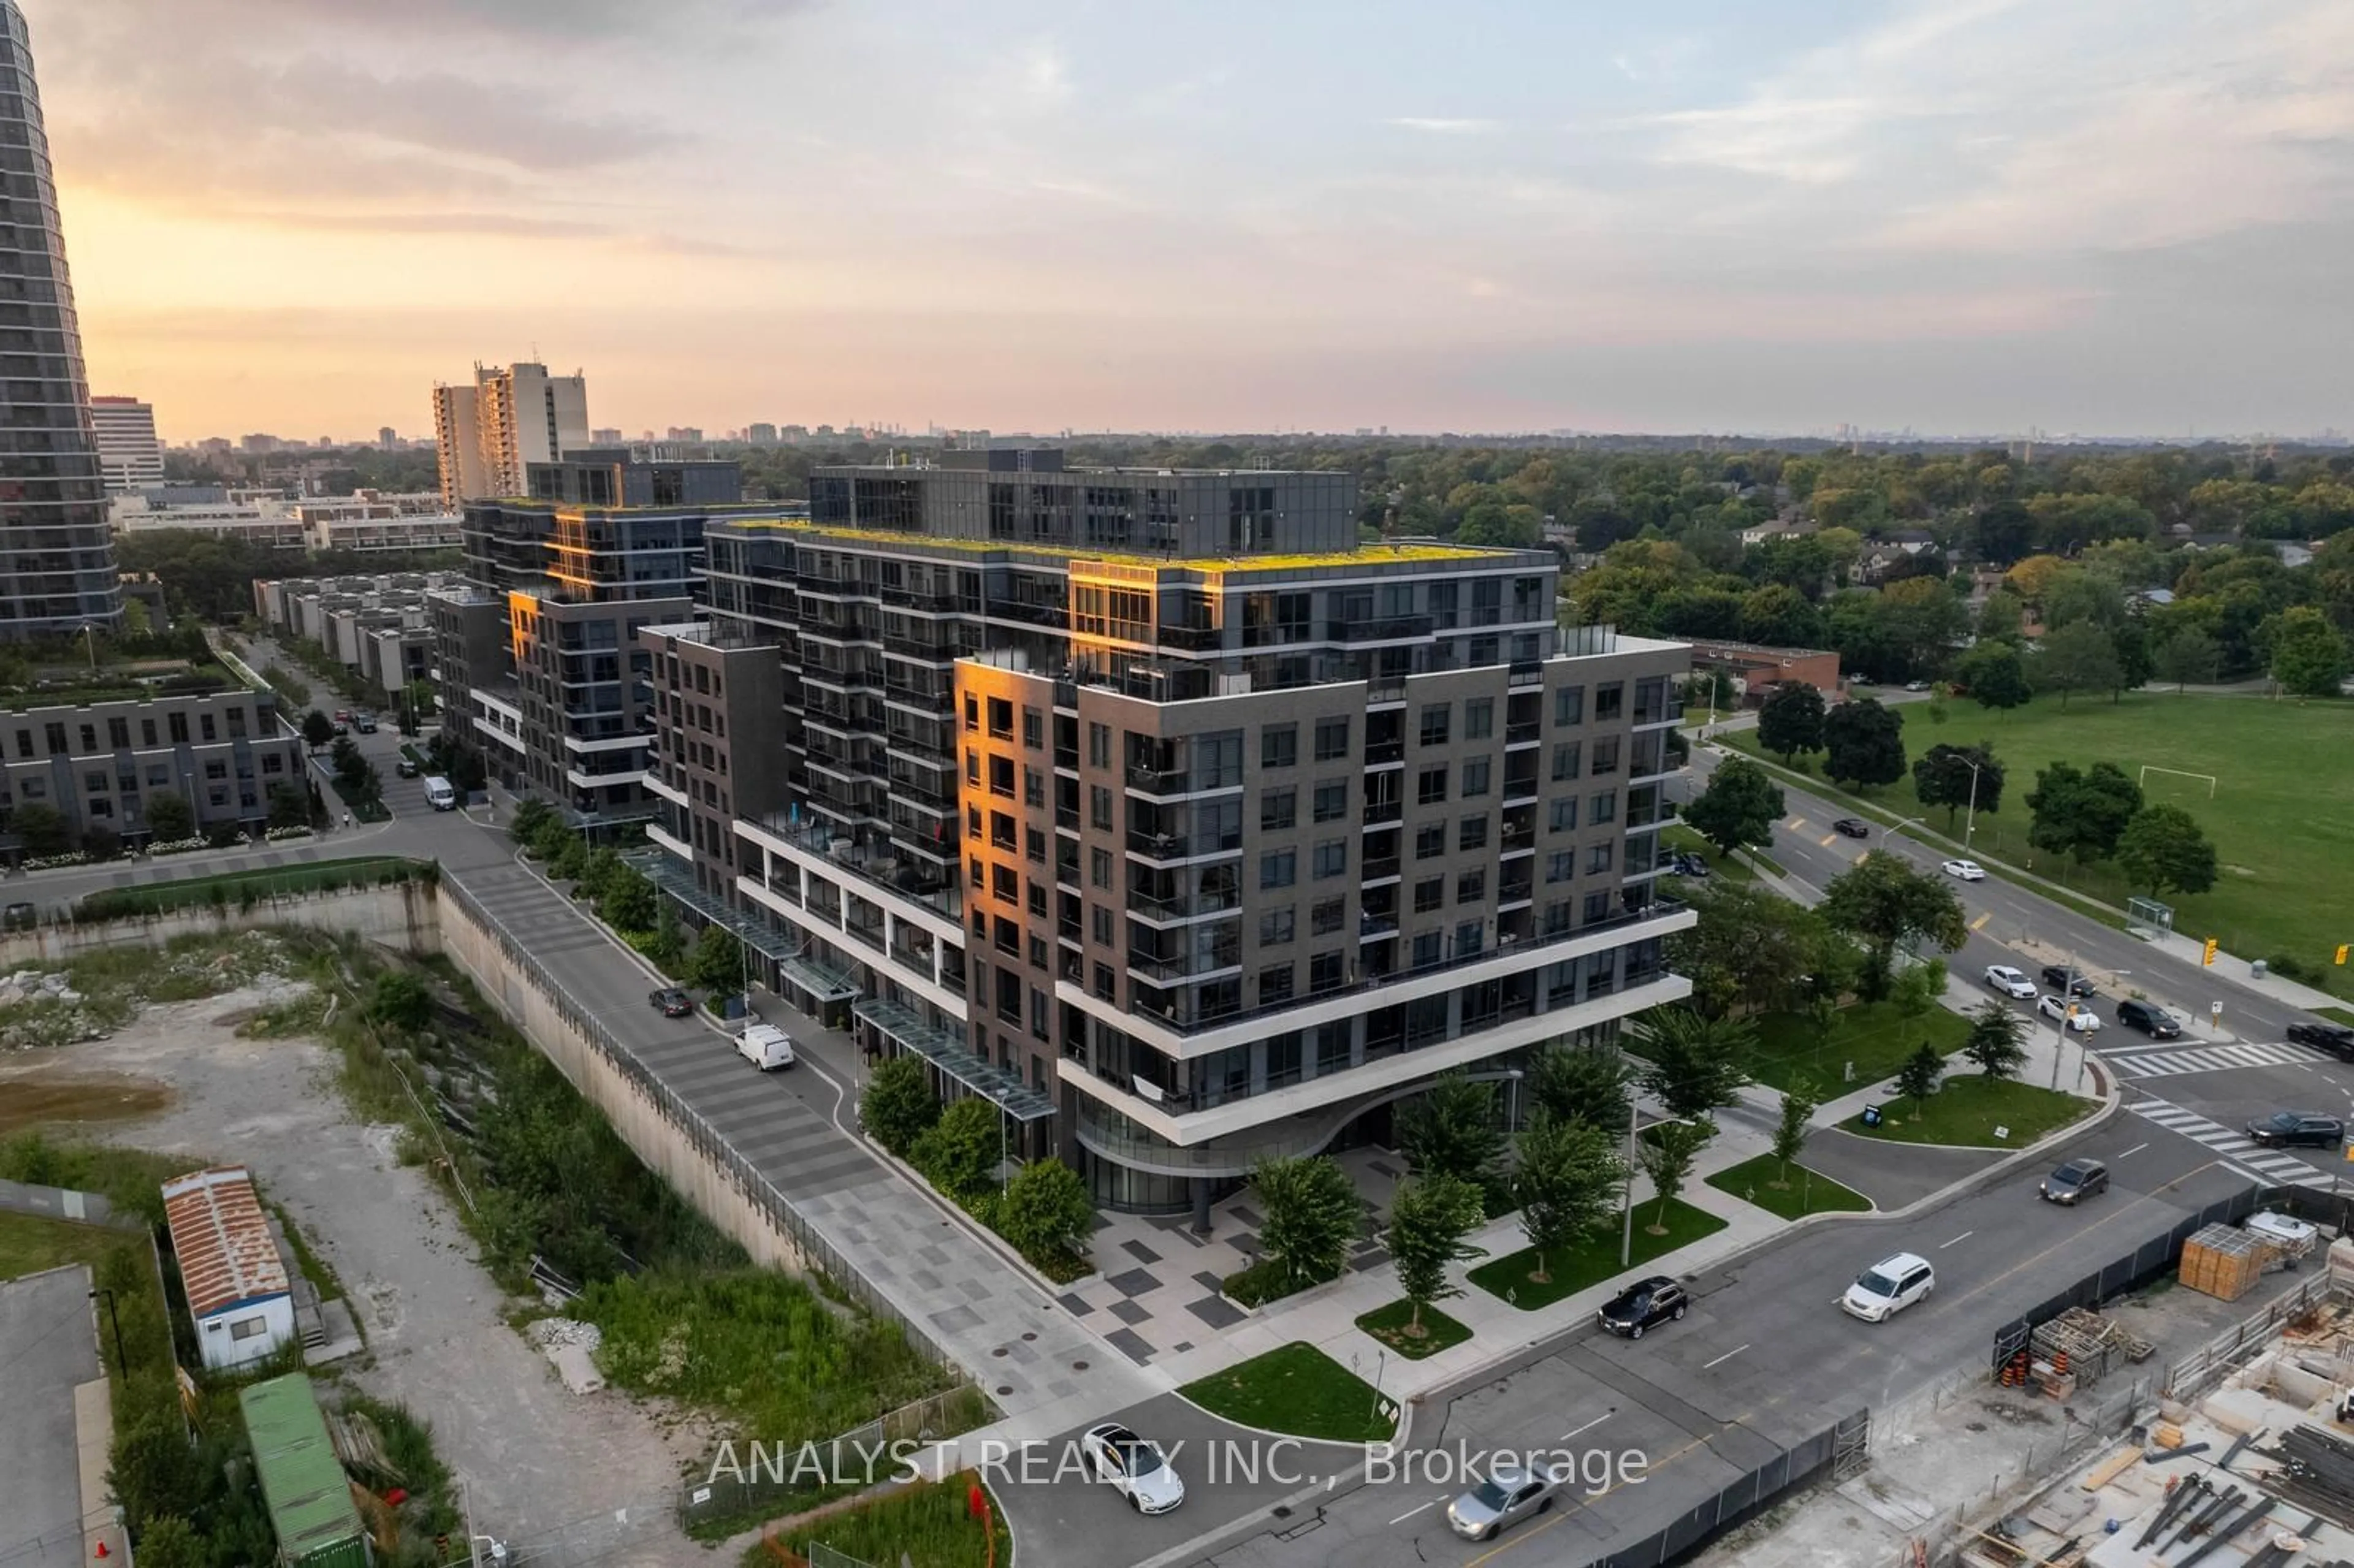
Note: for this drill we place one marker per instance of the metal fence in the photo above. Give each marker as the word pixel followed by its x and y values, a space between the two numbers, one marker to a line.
pixel 2192 1374
pixel 690 1124
pixel 771 1479
pixel 1757 1490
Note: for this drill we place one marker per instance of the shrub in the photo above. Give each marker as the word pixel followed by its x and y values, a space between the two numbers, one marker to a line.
pixel 898 1107
pixel 1046 1213
pixel 959 1151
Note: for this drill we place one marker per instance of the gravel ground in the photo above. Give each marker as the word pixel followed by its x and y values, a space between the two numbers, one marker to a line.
pixel 539 1459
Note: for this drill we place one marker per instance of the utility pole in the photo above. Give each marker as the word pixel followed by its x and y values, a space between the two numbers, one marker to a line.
pixel 1970 827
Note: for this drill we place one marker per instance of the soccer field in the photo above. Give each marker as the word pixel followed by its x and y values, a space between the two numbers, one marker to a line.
pixel 2282 818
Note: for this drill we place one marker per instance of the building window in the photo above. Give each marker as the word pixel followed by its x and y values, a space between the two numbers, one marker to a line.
pixel 1480 719
pixel 118 733
pixel 1098 746
pixel 1274 928
pixel 1569 705
pixel 1099 867
pixel 1332 859
pixel 1565 760
pixel 251 1328
pixel 1430 786
pixel 1033 843
pixel 272 763
pixel 1429 841
pixel 1100 915
pixel 1609 702
pixel 215 769
pixel 972 766
pixel 1471 887
pixel 1561 816
pixel 1033 729
pixel 1000 718
pixel 1605 756
pixel 1105 985
pixel 1560 865
pixel 1428 948
pixel 1278 869
pixel 1275 985
pixel 146 733
pixel 1001 777
pixel 1333 800
pixel 1033 787
pixel 1597 858
pixel 1604 809
pixel 1435 723
pixel 1471 833
pixel 1005 884
pixel 1331 739
pixel 1475 776
pixel 1470 937
pixel 1429 894
pixel 1277 809
pixel 1327 916
pixel 1278 745
pixel 1038 899
pixel 1099 806
pixel 971 712
pixel 1325 973
pixel 205 721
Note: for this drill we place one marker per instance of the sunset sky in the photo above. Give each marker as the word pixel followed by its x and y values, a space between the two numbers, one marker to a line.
pixel 1970 216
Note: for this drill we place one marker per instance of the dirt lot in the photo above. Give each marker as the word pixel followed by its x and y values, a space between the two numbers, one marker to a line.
pixel 537 1458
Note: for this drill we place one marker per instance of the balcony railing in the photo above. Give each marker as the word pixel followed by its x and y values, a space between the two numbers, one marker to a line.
pixel 911 598
pixel 1182 846
pixel 1380 753
pixel 1181 907
pixel 1182 965
pixel 1385 629
pixel 1379 811
pixel 1380 867
pixel 1192 636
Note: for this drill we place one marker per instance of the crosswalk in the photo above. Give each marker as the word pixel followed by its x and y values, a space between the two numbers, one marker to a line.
pixel 2208 1059
pixel 2263 1165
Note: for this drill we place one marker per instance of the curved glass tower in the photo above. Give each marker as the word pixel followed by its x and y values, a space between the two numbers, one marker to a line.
pixel 57 550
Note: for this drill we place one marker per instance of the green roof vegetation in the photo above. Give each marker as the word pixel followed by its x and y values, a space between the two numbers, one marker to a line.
pixel 887 539
pixel 310 1501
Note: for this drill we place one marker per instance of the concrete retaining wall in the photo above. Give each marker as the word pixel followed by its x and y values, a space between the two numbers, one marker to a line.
pixel 400 915
pixel 667 1148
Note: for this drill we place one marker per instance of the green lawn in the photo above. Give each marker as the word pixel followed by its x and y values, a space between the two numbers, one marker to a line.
pixel 1731 868
pixel 1872 1034
pixel 2282 815
pixel 234 886
pixel 1392 1326
pixel 924 1524
pixel 1753 1180
pixel 1299 1388
pixel 30 1244
pixel 1592 1260
pixel 1968 1108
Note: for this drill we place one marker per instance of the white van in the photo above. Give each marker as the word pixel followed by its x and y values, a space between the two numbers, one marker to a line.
pixel 440 795
pixel 766 1046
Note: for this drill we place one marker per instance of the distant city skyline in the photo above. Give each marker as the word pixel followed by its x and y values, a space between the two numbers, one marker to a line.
pixel 1961 218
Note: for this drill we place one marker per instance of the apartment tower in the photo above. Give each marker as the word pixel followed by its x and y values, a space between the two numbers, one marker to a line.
pixel 488 435
pixel 129 455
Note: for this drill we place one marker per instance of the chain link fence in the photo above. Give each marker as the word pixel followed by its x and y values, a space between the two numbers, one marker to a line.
pixel 769 1479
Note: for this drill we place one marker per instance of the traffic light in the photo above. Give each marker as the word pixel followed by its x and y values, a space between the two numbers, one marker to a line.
pixel 2209 957
pixel 2341 953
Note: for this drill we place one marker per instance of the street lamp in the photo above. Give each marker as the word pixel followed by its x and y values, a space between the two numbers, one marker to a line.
pixel 1970 826
pixel 1891 828
pixel 90 641
pixel 2067 1015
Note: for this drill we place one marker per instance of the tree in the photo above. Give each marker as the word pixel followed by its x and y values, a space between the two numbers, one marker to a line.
pixel 1959 778
pixel 290 806
pixel 1778 616
pixel 1791 721
pixel 1047 1211
pixel 1449 1129
pixel 165 1541
pixel 628 903
pixel 1916 989
pixel 2078 658
pixel 716 962
pixel 1863 744
pixel 959 1150
pixel 1567 1181
pixel 1312 1214
pixel 2164 850
pixel 156 1471
pixel 1739 806
pixel 2082 813
pixel 2001 618
pixel 1755 949
pixel 1888 904
pixel 42 827
pixel 1995 674
pixel 1669 1149
pixel 2307 654
pixel 2136 665
pixel 1429 1218
pixel 1997 1041
pixel 1571 1082
pixel 345 759
pixel 1692 1064
pixel 1916 1080
pixel 530 820
pixel 2186 656
pixel 898 1107
pixel 318 729
pixel 170 818
pixel 1799 1103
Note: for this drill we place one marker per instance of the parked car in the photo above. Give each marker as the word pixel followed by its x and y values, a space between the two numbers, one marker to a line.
pixel 2075 1015
pixel 1968 870
pixel 1888 1286
pixel 1916 685
pixel 20 917
pixel 2012 982
pixel 672 1002
pixel 766 1046
pixel 1691 865
pixel 405 769
pixel 2336 1039
pixel 343 715
pixel 364 722
pixel 2151 1018
pixel 2077 1180
pixel 2311 1128
pixel 1134 1467
pixel 2067 981
pixel 1513 1491
pixel 1852 827
pixel 1658 1299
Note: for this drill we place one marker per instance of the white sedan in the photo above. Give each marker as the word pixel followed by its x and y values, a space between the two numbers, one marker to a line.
pixel 2012 982
pixel 2075 1014
pixel 1968 870
pixel 1132 1465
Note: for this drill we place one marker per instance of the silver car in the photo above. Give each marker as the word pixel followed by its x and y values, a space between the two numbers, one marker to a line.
pixel 1512 1491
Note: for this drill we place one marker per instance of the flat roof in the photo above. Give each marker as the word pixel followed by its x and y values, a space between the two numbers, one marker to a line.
pixel 222 1239
pixel 310 1498
pixel 1414 551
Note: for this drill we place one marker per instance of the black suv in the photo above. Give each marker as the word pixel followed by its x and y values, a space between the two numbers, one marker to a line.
pixel 1852 827
pixel 2285 1127
pixel 2149 1017
pixel 2078 1179
pixel 2060 978
pixel 1647 1301
pixel 2336 1039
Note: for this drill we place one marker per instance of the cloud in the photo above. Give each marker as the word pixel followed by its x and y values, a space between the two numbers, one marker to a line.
pixel 1438 127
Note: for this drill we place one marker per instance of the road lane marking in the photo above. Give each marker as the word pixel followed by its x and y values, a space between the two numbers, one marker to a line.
pixel 2136 1148
pixel 1980 923
pixel 1794 823
pixel 1726 1357
pixel 1827 840
pixel 1411 1512
pixel 1596 1422
pixel 1957 1241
